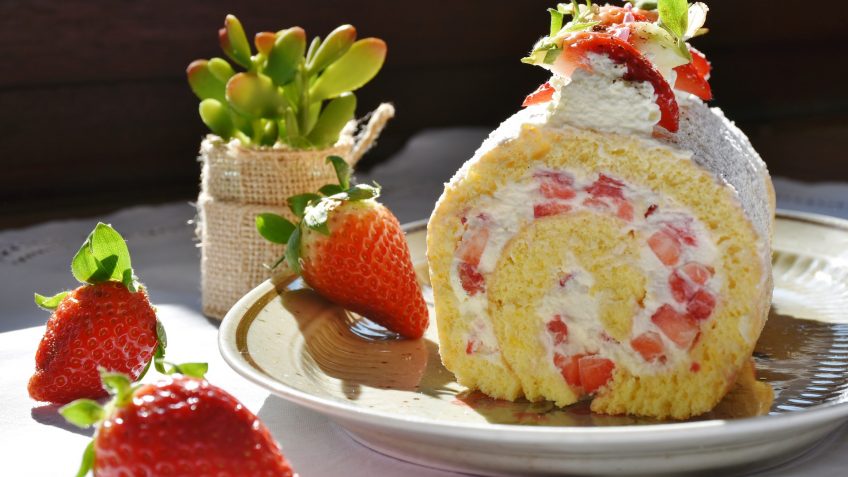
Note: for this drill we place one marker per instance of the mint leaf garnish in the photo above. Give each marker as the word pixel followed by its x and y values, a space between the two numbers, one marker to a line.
pixel 274 228
pixel 50 302
pixel 342 170
pixel 331 189
pixel 103 256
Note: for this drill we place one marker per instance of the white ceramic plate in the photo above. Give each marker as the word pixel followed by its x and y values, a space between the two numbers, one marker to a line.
pixel 395 396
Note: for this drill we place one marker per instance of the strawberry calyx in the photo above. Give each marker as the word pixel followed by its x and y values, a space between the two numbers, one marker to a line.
pixel 313 211
pixel 85 413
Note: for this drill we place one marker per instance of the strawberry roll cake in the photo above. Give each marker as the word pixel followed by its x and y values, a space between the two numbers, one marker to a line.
pixel 612 240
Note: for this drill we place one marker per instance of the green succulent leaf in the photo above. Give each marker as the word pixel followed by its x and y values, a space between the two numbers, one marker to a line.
pixel 269 133
pixel 264 41
pixel 298 203
pixel 293 251
pixel 216 116
pixel 342 169
pixel 103 257
pixel 292 127
pixel 50 303
pixel 87 460
pixel 204 83
pixel 337 43
pixel 83 413
pixel 362 192
pixel 331 189
pixel 234 41
pixel 274 228
pixel 355 68
pixel 255 96
pixel 313 48
pixel 286 55
pixel 220 69
pixel 333 119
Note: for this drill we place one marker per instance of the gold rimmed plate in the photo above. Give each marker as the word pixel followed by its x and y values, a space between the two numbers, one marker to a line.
pixel 395 396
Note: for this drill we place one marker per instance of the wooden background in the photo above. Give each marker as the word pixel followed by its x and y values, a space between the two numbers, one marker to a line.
pixel 95 112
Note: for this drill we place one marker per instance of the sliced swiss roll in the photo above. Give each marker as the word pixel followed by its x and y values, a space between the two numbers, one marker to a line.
pixel 572 260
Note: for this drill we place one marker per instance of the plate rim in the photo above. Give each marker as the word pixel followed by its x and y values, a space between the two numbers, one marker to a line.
pixel 647 433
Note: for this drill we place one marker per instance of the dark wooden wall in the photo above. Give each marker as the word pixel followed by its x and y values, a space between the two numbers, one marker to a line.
pixel 95 113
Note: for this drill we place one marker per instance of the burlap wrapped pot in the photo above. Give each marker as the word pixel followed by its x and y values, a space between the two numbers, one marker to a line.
pixel 238 183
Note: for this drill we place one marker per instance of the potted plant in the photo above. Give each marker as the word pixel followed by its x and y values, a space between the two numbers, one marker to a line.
pixel 272 126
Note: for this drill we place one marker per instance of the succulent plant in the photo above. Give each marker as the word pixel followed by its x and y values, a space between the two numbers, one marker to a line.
pixel 287 93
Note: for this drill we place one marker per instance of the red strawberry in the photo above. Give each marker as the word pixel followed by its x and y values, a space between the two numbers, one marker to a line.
pixel 569 367
pixel 576 46
pixel 177 427
pixel 595 372
pixel 689 80
pixel 474 242
pixel 351 250
pixel 104 324
pixel 471 279
pixel 700 62
pixel 665 247
pixel 685 280
pixel 649 345
pixel 543 93
pixel 547 209
pixel 679 328
pixel 556 185
pixel 606 186
pixel 609 15
pixel 558 329
pixel 700 307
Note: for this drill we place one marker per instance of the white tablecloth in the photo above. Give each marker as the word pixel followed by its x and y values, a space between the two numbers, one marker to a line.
pixel 36 442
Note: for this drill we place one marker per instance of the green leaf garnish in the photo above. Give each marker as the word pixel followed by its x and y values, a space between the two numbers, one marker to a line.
pixel 293 251
pixel 556 21
pixel 298 203
pixel 342 170
pixel 83 413
pixel 195 370
pixel 52 302
pixel 119 385
pixel 331 189
pixel 274 228
pixel 551 55
pixel 674 18
pixel 363 192
pixel 103 256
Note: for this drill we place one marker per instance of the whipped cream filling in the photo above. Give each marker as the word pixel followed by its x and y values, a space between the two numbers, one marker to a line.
pixel 602 100
pixel 572 299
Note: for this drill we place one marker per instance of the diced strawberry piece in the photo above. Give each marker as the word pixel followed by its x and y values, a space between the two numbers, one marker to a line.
pixel 547 209
pixel 665 247
pixel 558 329
pixel 697 272
pixel 471 279
pixel 556 185
pixel 565 279
pixel 679 328
pixel 606 186
pixel 569 367
pixel 469 346
pixel 473 244
pixel 695 367
pixel 595 203
pixel 543 93
pixel 690 81
pixel 577 45
pixel 701 305
pixel 649 345
pixel 682 232
pixel 595 372
pixel 687 279
pixel 699 60
pixel 681 288
pixel 625 210
pixel 651 209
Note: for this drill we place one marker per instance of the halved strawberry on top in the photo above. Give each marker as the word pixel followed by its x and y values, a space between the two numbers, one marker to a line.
pixel 577 46
pixel 692 77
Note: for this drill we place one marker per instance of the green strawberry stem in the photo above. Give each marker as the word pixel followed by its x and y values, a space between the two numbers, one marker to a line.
pixel 312 210
pixel 287 94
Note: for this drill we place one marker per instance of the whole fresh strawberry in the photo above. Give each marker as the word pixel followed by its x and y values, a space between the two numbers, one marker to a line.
pixel 180 426
pixel 351 249
pixel 108 322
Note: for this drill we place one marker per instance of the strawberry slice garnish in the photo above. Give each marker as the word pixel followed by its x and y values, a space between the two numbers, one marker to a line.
pixel 352 250
pixel 543 94
pixel 678 327
pixel 609 15
pixel 595 372
pixel 701 64
pixel 689 80
pixel 574 54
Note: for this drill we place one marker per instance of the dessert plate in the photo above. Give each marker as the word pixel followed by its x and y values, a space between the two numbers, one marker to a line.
pixel 395 396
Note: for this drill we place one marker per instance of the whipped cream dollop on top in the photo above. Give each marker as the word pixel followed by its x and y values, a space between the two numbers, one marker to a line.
pixel 602 99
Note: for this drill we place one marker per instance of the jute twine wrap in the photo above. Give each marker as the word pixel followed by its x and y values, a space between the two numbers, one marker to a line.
pixel 238 183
